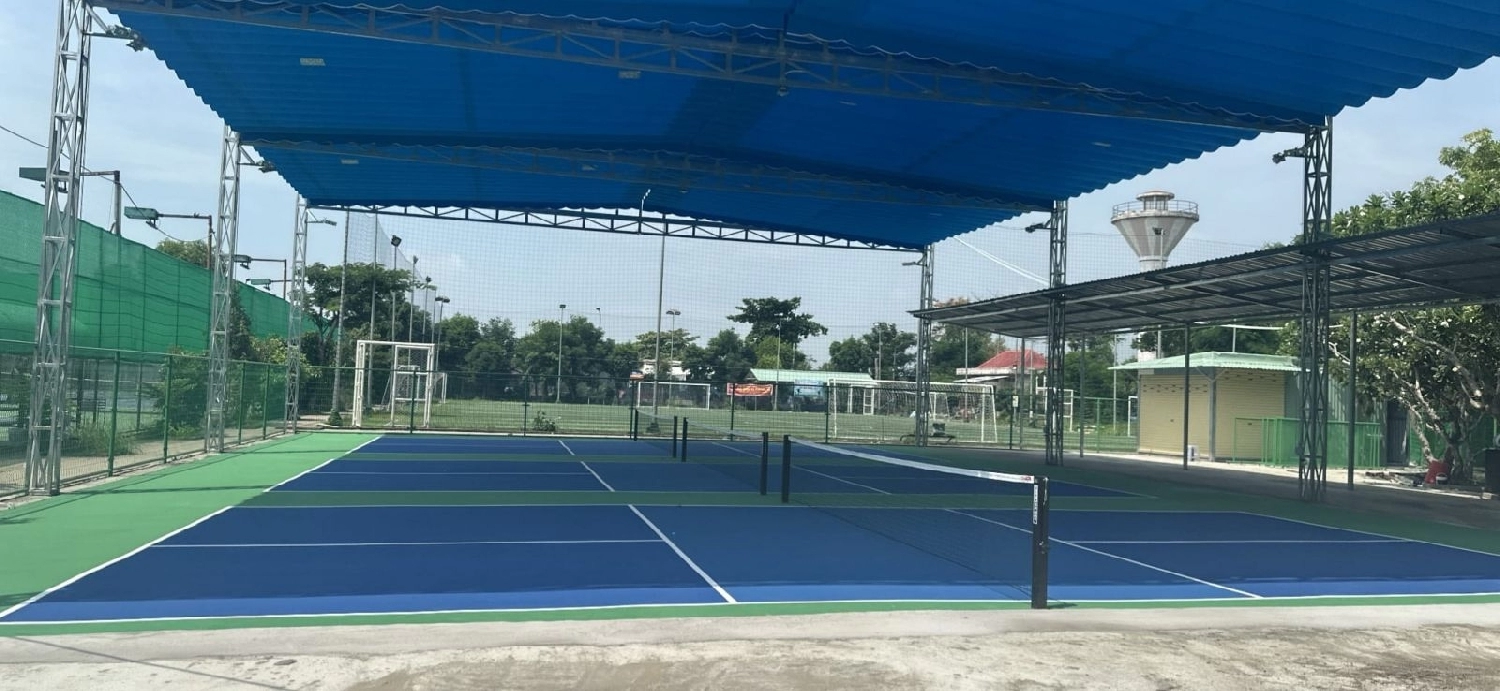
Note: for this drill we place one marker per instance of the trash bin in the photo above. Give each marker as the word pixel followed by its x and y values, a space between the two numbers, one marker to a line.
pixel 1492 471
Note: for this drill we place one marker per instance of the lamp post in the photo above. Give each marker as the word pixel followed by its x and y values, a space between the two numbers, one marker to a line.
pixel 672 352
pixel 561 314
pixel 245 260
pixel 395 247
pixel 151 216
pixel 437 331
pixel 40 175
pixel 411 311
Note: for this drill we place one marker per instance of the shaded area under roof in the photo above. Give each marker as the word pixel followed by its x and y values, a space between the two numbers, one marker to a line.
pixel 901 122
pixel 1442 263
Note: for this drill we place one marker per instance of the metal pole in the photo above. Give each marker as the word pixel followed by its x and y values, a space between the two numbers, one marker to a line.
pixel 661 276
pixel 1353 377
pixel 1041 541
pixel 411 309
pixel 1187 378
pixel 1056 331
pixel 924 351
pixel 114 415
pixel 786 468
pixel 765 457
pixel 117 210
pixel 1079 400
pixel 294 325
pixel 561 315
pixel 338 343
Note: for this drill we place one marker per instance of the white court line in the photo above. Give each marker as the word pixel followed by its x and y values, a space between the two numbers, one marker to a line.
pixel 1230 542
pixel 1366 532
pixel 456 472
pixel 683 555
pixel 847 482
pixel 1115 556
pixel 13 608
pixel 731 448
pixel 565 448
pixel 403 544
pixel 596 475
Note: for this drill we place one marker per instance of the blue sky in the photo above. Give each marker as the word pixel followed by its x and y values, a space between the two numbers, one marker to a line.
pixel 146 122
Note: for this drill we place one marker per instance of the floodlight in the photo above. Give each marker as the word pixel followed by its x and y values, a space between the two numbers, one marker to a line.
pixel 34 174
pixel 395 241
pixel 142 213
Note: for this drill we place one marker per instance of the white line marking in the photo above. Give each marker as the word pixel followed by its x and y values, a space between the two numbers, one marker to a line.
pixel 596 475
pixel 1230 542
pixel 13 608
pixel 565 447
pixel 1017 604
pixel 401 544
pixel 1366 532
pixel 847 482
pixel 731 448
pixel 1115 556
pixel 428 472
pixel 683 555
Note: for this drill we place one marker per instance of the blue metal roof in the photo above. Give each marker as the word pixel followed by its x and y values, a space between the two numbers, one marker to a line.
pixel 437 113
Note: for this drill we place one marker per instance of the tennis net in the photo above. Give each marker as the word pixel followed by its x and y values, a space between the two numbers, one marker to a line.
pixel 743 455
pixel 930 507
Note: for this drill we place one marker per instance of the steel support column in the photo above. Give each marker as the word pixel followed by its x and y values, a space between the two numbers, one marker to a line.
pixel 924 348
pixel 338 344
pixel 1317 212
pixel 221 251
pixel 1057 332
pixel 294 324
pixel 66 128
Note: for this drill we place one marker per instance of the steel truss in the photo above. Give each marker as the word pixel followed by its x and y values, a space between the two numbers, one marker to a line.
pixel 924 352
pixel 756 56
pixel 221 263
pixel 67 126
pixel 295 299
pixel 666 169
pixel 1316 153
pixel 627 223
pixel 1057 331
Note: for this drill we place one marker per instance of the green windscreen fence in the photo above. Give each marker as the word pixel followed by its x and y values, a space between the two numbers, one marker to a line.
pixel 127 296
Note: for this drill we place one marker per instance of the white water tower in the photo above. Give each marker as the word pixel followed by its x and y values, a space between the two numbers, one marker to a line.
pixel 1153 225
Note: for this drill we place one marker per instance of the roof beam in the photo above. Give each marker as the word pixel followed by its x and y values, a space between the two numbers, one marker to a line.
pixel 665 169
pixel 753 56
pixel 616 222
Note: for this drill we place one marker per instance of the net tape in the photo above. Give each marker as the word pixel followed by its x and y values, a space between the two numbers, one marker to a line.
pixel 918 465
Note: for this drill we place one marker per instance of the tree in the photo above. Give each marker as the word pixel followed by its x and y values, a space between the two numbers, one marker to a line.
pixel 194 252
pixel 591 366
pixel 725 358
pixel 776 318
pixel 955 347
pixel 459 335
pixel 1441 363
pixel 489 364
pixel 675 344
pixel 886 353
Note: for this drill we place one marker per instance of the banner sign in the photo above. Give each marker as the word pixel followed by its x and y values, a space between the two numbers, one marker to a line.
pixel 749 390
pixel 809 389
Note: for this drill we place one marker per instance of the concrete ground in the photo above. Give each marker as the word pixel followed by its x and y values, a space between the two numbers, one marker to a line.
pixel 1448 647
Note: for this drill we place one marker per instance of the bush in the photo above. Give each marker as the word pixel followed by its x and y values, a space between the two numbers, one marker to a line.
pixel 93 440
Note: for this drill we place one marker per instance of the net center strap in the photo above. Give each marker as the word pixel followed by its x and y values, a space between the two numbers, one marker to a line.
pixel 919 465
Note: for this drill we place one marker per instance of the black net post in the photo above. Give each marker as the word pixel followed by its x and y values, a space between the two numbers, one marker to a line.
pixel 683 456
pixel 635 424
pixel 732 396
pixel 1041 541
pixel 765 460
pixel 674 436
pixel 786 468
pixel 114 416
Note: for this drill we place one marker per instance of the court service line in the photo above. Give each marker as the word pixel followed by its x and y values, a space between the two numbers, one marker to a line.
pixel 585 465
pixel 565 448
pixel 456 472
pixel 683 555
pixel 401 544
pixel 731 448
pixel 1366 532
pixel 13 608
pixel 876 490
pixel 1232 542
pixel 1127 560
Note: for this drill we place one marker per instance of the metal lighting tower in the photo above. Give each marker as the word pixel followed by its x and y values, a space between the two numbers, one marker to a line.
pixel 561 315
pixel 1056 331
pixel 40 175
pixel 437 331
pixel 295 299
pixel 924 346
pixel 54 300
pixel 672 354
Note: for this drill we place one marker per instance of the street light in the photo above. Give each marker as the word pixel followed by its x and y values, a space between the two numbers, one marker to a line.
pixel 40 175
pixel 411 312
pixel 151 216
pixel 672 354
pixel 437 329
pixel 561 313
pixel 244 260
pixel 395 246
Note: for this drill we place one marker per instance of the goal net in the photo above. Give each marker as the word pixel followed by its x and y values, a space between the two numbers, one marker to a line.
pixel 394 384
pixel 672 394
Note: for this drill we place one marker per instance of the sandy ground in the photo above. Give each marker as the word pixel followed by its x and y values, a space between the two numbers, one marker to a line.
pixel 1450 647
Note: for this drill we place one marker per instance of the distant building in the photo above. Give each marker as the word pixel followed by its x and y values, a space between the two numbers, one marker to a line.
pixel 1004 368
pixel 1230 395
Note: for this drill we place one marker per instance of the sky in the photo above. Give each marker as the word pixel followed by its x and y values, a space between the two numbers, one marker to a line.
pixel 145 122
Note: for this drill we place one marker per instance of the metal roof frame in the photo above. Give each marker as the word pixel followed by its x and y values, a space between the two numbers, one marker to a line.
pixel 1439 263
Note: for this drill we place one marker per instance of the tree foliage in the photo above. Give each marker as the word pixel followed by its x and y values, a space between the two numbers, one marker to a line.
pixel 1442 364
pixel 725 358
pixel 194 252
pixel 885 353
pixel 777 318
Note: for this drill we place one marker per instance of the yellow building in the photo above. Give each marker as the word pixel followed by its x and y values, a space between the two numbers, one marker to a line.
pixel 1229 394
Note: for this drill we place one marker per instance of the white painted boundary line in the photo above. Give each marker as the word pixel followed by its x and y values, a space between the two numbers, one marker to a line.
pixel 1102 553
pixel 683 555
pixel 596 475
pixel 404 544
pixel 876 490
pixel 1232 542
pixel 457 472
pixel 565 448
pixel 13 608
pixel 1392 538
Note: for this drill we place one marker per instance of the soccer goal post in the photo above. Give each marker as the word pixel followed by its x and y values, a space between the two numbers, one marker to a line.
pixel 673 394
pixel 393 384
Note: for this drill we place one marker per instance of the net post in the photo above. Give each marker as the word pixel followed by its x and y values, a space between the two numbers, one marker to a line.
pixel 114 416
pixel 635 424
pixel 674 436
pixel 1041 509
pixel 683 457
pixel 786 468
pixel 732 396
pixel 765 460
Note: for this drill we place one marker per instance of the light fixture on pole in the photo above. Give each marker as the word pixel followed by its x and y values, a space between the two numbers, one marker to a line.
pixel 672 354
pixel 395 249
pixel 245 260
pixel 151 216
pixel 437 331
pixel 561 314
pixel 411 310
pixel 40 175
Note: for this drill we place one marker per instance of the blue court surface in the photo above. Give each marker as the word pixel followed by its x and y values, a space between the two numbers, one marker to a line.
pixel 264 560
